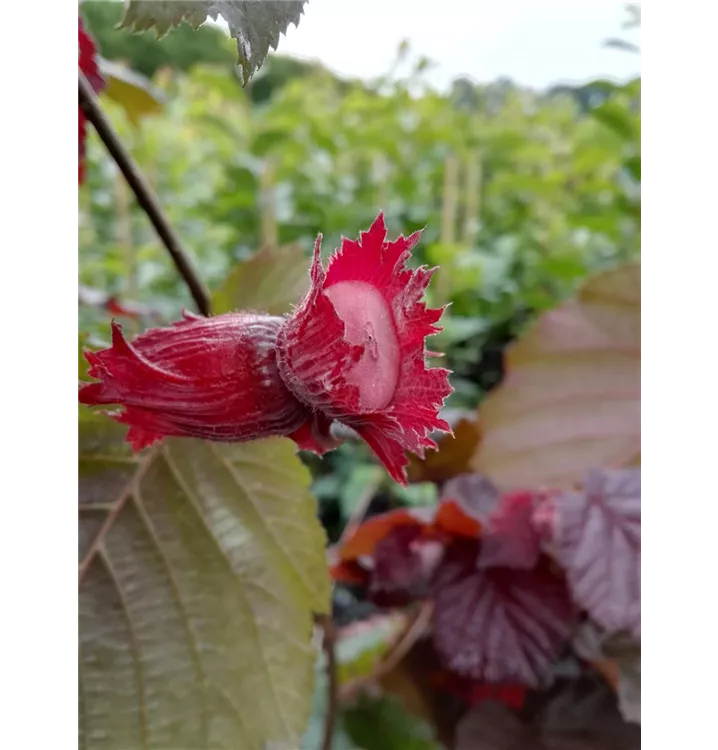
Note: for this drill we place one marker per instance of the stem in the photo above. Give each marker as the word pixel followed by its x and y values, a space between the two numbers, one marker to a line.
pixel 416 627
pixel 473 198
pixel 327 627
pixel 143 193
pixel 267 202
pixel 448 224
pixel 123 231
pixel 450 200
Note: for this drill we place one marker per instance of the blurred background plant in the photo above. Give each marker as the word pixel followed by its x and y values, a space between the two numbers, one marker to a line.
pixel 522 193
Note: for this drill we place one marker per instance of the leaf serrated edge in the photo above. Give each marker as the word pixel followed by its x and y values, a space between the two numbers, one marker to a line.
pixel 246 66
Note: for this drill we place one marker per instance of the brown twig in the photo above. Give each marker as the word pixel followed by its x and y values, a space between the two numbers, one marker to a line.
pixel 415 628
pixel 143 193
pixel 324 622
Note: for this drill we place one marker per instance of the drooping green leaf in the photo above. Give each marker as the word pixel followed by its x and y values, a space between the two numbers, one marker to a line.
pixel 132 91
pixel 271 281
pixel 200 567
pixel 255 25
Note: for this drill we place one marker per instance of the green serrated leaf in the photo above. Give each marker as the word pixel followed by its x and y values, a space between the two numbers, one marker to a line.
pixel 201 565
pixel 255 25
pixel 271 281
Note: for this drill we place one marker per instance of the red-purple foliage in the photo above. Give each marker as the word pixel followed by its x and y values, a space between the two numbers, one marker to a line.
pixel 475 494
pixel 404 561
pixel 502 624
pixel 510 538
pixel 511 574
pixel 474 692
pixel 595 534
pixel 353 351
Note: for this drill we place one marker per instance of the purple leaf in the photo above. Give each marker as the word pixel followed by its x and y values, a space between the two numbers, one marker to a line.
pixel 501 624
pixel 596 536
pixel 404 561
pixel 474 494
pixel 510 538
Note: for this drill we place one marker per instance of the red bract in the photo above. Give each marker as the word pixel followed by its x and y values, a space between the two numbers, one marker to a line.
pixel 355 351
pixel 212 378
pixel 88 66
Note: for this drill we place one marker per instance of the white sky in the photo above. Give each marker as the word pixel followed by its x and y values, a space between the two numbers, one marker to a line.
pixel 534 42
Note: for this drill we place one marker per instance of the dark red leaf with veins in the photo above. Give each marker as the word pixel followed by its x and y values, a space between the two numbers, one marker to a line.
pixel 353 351
pixel 501 624
pixel 364 539
pixel 88 65
pixel 510 538
pixel 404 561
pixel 595 534
pixel 355 348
